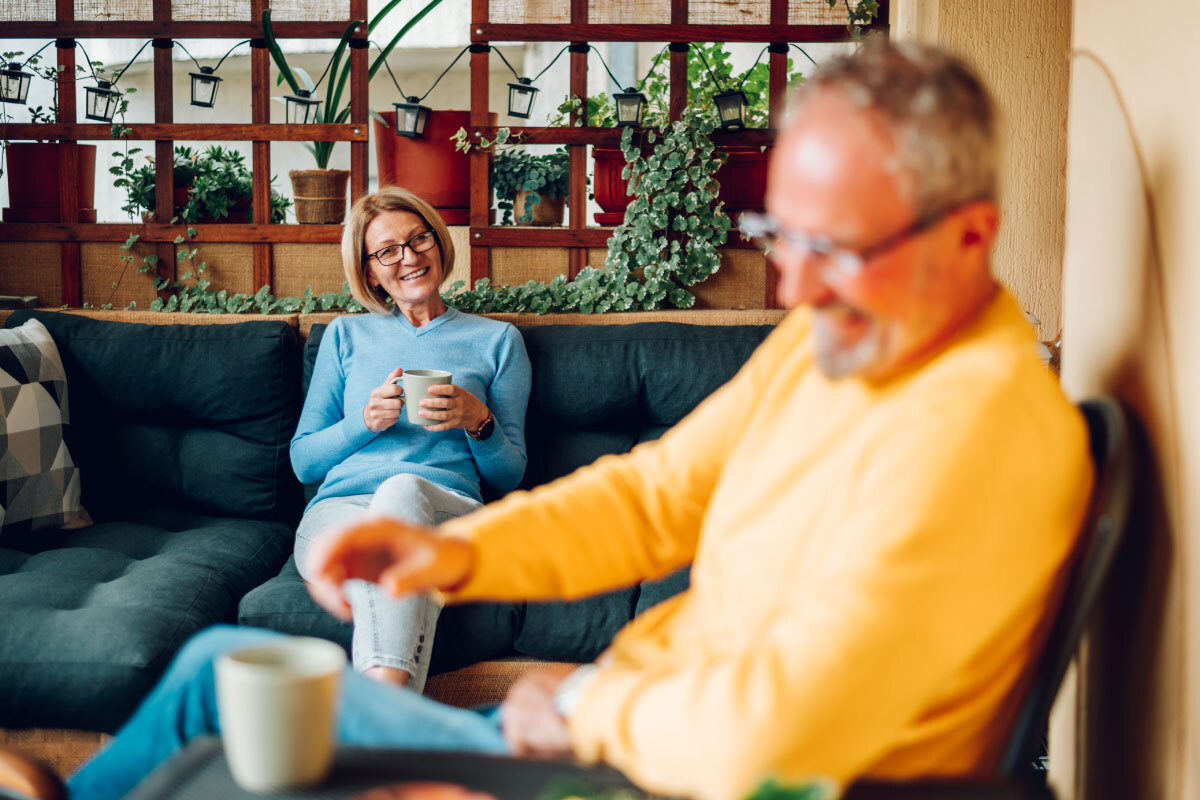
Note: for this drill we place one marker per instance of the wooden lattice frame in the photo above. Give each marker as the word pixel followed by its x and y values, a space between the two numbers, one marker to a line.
pixel 577 237
pixel 164 133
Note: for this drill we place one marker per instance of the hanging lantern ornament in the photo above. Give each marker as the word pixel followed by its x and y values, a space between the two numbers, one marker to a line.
pixel 14 84
pixel 102 101
pixel 631 105
pixel 204 87
pixel 301 107
pixel 731 108
pixel 520 98
pixel 411 117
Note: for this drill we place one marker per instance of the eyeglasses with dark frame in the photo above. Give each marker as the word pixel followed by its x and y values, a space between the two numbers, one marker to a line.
pixel 843 262
pixel 394 253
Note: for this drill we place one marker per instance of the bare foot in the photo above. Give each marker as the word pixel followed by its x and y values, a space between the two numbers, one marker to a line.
pixel 392 675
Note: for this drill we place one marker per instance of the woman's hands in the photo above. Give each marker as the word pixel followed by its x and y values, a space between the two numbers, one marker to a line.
pixel 454 407
pixel 384 405
pixel 400 557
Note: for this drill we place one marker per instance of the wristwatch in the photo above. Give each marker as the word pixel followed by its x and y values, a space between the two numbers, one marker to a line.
pixel 484 430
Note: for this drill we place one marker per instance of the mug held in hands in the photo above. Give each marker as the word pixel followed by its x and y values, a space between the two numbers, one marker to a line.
pixel 416 383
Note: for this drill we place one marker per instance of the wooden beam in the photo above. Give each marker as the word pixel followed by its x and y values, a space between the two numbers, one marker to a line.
pixel 359 165
pixel 178 29
pixel 341 132
pixel 263 268
pixel 480 163
pixel 577 166
pixel 611 136
pixel 70 259
pixel 164 150
pixel 561 32
pixel 679 61
pixel 516 236
pixel 156 232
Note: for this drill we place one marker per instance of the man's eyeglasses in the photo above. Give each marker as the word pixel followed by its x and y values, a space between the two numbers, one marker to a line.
pixel 765 232
pixel 394 253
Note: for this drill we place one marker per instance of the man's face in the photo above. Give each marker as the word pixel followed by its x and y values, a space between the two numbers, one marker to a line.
pixel 834 174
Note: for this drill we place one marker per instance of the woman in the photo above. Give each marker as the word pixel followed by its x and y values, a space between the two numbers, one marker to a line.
pixel 353 436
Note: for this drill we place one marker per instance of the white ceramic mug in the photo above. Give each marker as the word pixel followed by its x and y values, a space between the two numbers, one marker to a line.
pixel 416 383
pixel 278 708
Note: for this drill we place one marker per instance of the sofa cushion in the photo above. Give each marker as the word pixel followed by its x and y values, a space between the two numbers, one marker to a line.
pixel 466 634
pixel 39 482
pixel 91 622
pixel 191 416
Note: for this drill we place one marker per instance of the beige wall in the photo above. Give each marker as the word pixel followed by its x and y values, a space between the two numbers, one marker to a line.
pixel 1020 47
pixel 1131 288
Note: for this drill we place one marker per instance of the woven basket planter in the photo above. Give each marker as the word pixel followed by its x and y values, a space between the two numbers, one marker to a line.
pixel 320 194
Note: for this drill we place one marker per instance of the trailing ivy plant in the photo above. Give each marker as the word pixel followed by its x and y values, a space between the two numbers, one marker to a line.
pixel 668 241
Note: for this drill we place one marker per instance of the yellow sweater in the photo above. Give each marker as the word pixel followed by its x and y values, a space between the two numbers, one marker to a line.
pixel 872 564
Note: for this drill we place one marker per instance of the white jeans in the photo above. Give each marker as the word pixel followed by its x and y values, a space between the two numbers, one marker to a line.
pixel 387 632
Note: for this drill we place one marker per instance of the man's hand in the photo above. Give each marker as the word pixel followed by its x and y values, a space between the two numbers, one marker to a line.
pixel 531 724
pixel 402 558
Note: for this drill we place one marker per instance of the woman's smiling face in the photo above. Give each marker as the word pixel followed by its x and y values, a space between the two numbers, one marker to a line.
pixel 414 279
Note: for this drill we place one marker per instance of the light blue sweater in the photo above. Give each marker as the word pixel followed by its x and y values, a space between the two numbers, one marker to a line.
pixel 485 357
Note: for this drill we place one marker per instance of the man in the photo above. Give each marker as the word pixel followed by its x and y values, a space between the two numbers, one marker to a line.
pixel 878 508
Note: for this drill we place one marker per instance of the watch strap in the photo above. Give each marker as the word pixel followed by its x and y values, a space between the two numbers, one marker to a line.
pixel 478 433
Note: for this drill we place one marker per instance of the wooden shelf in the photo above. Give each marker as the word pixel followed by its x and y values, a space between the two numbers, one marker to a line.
pixel 152 232
pixel 90 132
pixel 185 29
pixel 565 32
pixel 612 136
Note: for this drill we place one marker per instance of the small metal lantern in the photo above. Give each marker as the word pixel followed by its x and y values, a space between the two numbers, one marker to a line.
pixel 204 87
pixel 301 107
pixel 731 108
pixel 631 106
pixel 101 101
pixel 520 98
pixel 14 84
pixel 411 117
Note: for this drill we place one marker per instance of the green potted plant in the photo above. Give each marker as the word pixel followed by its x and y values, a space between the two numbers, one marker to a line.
pixel 33 167
pixel 535 185
pixel 213 185
pixel 743 181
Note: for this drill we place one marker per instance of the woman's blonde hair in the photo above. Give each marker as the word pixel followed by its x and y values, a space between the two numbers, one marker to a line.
pixel 354 247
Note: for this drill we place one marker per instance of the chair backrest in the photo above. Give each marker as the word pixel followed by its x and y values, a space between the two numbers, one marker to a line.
pixel 1104 526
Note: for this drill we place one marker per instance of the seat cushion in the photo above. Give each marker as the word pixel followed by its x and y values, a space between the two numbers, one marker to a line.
pixel 190 416
pixel 466 634
pixel 92 619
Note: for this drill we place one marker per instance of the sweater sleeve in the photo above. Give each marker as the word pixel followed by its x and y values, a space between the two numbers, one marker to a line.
pixel 617 521
pixel 501 458
pixel 957 548
pixel 324 437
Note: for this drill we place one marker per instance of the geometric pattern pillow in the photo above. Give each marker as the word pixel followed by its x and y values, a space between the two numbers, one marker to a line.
pixel 39 483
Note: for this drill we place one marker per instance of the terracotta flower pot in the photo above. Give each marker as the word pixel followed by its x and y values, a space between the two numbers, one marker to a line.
pixel 743 180
pixel 428 165
pixel 548 212
pixel 320 194
pixel 32 169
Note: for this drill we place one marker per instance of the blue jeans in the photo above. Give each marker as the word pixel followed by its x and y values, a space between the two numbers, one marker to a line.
pixel 184 705
pixel 387 632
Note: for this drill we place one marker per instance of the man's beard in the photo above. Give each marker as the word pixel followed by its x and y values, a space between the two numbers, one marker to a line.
pixel 839 358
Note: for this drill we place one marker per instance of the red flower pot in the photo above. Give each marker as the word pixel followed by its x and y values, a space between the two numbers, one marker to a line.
pixel 743 180
pixel 428 166
pixel 32 169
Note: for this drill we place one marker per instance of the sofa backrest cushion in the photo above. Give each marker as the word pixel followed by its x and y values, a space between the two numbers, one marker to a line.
pixel 186 416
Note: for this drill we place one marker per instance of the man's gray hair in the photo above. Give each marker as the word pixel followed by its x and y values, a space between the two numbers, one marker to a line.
pixel 938 110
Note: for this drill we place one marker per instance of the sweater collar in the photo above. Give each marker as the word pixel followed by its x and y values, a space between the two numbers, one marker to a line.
pixel 434 323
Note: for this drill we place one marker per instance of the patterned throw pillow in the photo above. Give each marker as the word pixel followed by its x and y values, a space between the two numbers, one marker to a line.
pixel 39 483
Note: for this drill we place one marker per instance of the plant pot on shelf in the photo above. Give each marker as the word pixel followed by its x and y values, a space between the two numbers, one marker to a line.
pixel 320 194
pixel 743 179
pixel 428 166
pixel 33 168
pixel 547 212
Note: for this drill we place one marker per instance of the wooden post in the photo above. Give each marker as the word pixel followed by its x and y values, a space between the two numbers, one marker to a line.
pixel 164 151
pixel 260 113
pixel 679 61
pixel 577 177
pixel 359 80
pixel 777 103
pixel 70 263
pixel 480 163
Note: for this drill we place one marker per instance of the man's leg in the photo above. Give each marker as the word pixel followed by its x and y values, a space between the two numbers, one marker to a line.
pixel 183 706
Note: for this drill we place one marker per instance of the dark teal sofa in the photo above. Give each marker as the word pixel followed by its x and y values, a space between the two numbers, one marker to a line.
pixel 181 433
